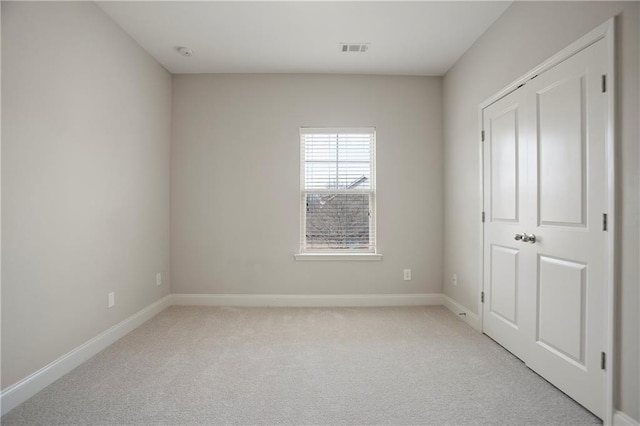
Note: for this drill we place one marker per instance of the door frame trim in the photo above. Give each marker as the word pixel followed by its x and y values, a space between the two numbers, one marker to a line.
pixel 604 31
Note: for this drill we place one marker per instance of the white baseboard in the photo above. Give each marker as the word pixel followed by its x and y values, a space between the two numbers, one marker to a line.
pixel 316 300
pixel 621 419
pixel 469 317
pixel 35 382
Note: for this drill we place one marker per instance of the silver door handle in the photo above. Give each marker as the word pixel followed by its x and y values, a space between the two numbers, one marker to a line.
pixel 525 238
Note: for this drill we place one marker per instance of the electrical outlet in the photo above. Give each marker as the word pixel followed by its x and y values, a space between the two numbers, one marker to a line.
pixel 454 279
pixel 407 274
pixel 111 299
pixel 159 278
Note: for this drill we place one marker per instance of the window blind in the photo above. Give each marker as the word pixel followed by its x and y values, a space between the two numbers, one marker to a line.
pixel 337 180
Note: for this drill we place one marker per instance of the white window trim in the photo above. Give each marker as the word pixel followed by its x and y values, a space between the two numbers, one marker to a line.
pixel 338 255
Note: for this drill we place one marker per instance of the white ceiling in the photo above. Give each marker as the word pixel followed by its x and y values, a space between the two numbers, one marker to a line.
pixel 407 38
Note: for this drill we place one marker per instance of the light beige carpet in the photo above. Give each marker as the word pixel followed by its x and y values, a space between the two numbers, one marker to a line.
pixel 205 365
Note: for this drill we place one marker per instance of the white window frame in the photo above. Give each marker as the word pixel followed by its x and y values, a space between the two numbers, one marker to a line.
pixel 367 254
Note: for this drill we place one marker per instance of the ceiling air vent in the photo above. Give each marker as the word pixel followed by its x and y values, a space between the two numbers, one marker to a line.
pixel 354 47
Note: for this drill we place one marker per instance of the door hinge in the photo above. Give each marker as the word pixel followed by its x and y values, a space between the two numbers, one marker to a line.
pixel 603 360
pixel 482 217
pixel 604 83
pixel 482 136
pixel 604 221
pixel 482 296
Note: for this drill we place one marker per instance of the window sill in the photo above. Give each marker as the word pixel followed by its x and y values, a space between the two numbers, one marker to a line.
pixel 331 257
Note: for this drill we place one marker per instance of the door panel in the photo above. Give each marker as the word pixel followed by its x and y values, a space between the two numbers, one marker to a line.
pixel 545 174
pixel 504 284
pixel 561 307
pixel 504 174
pixel 561 152
pixel 504 166
pixel 568 173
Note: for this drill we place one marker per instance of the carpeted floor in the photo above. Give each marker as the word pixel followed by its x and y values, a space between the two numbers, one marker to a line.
pixel 206 365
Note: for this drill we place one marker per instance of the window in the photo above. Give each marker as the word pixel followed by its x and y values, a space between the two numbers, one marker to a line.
pixel 337 190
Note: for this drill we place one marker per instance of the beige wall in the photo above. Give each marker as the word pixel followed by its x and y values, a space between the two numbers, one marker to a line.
pixel 524 36
pixel 85 179
pixel 235 161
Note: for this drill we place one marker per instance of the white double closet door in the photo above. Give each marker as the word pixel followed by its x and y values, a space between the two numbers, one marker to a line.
pixel 545 175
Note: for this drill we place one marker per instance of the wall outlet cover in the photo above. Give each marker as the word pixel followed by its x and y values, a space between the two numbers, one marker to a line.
pixel 407 274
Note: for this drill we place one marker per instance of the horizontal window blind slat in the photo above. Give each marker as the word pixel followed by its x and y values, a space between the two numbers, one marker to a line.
pixel 321 131
pixel 338 191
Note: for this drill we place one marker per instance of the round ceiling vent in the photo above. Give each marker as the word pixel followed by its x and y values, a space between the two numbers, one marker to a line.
pixel 185 51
